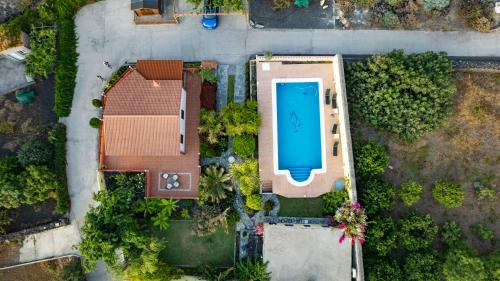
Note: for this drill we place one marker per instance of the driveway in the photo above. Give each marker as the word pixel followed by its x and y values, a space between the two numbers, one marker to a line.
pixel 107 33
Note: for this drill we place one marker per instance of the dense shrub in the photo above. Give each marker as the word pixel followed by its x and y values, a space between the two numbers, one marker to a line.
pixel 247 176
pixel 282 4
pixel 254 202
pixel 377 195
pixel 252 270
pixel 42 59
pixel 482 232
pixel 422 267
pixel 10 193
pixel 71 272
pixel 241 119
pixel 35 151
pixel 207 74
pixel 333 200
pixel 383 270
pixel 4 220
pixel 430 5
pixel 381 236
pixel 370 158
pixel 211 127
pixel 97 103
pixel 124 220
pixel 448 194
pixel 492 265
pixel 65 78
pixel 411 192
pixel 451 233
pixel 416 232
pixel 390 19
pixel 95 122
pixel 393 3
pixel 244 145
pixel 212 150
pixel 477 14
pixel 208 96
pixel 407 95
pixel 462 265
pixel 38 182
pixel 58 139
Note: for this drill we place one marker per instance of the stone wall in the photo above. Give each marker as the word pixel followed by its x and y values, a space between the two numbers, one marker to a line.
pixel 34 230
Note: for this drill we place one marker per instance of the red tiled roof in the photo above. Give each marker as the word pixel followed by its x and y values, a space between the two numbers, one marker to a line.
pixel 160 69
pixel 141 135
pixel 134 95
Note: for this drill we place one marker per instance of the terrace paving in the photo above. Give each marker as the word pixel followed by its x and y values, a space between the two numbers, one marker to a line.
pixel 321 183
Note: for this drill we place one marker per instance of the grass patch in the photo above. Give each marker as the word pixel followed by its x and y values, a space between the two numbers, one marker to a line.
pixel 186 249
pixel 299 207
pixel 230 88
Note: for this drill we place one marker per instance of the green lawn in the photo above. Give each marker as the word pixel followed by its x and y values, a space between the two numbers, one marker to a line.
pixel 230 88
pixel 184 248
pixel 310 207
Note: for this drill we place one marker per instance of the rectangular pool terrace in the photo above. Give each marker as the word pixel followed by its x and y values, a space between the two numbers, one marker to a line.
pixel 297 149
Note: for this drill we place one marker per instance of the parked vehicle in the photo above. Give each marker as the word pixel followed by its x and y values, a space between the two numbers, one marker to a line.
pixel 210 19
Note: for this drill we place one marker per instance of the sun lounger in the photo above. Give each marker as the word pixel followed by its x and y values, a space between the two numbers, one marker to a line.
pixel 334 129
pixel 334 101
pixel 336 148
pixel 327 96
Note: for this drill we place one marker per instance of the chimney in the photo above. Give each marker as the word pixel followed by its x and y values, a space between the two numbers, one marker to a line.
pixel 156 84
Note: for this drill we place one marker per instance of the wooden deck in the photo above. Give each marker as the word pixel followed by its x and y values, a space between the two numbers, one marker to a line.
pixel 321 183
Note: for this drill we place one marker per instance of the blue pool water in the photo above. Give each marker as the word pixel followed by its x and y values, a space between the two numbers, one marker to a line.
pixel 299 132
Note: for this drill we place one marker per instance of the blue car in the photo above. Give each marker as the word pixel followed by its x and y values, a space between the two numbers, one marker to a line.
pixel 210 19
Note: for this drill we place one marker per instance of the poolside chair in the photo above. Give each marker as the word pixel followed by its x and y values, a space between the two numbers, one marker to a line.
pixel 327 96
pixel 336 148
pixel 334 101
pixel 334 129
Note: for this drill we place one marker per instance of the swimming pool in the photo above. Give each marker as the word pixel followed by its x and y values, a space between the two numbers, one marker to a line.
pixel 298 135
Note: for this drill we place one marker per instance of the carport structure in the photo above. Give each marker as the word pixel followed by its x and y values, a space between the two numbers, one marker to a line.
pixel 306 253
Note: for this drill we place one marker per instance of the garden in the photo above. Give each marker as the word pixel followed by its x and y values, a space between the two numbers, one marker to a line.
pixel 162 239
pixel 376 14
pixel 33 188
pixel 424 150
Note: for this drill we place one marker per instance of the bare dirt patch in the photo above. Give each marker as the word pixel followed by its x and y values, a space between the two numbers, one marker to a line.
pixel 464 150
pixel 41 271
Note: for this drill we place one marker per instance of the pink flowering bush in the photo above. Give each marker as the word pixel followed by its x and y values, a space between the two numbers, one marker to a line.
pixel 352 220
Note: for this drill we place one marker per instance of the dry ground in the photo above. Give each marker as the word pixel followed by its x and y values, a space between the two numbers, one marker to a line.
pixel 465 149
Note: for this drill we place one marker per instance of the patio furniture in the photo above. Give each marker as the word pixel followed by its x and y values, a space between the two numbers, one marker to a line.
pixel 334 101
pixel 164 175
pixel 171 181
pixel 334 129
pixel 327 96
pixel 336 148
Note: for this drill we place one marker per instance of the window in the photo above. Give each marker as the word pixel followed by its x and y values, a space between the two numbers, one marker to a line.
pixel 182 139
pixel 182 113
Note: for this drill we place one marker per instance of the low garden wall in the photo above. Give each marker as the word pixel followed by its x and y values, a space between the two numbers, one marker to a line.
pixel 33 230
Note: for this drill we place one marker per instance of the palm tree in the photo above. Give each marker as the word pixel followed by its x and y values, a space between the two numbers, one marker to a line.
pixel 210 125
pixel 252 271
pixel 214 183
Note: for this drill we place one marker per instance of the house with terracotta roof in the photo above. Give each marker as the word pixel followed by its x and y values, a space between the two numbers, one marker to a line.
pixel 150 121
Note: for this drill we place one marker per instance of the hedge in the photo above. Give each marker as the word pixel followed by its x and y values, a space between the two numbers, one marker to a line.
pixel 66 67
pixel 59 141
